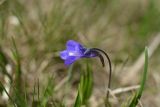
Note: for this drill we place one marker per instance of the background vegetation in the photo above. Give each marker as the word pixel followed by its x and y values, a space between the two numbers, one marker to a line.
pixel 33 32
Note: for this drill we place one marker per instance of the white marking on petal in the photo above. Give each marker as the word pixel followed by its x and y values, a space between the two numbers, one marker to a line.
pixel 74 54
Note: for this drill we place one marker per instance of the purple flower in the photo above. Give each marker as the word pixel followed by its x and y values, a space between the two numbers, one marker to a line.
pixel 76 51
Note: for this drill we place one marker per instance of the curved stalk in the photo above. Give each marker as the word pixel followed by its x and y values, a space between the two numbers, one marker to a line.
pixel 110 68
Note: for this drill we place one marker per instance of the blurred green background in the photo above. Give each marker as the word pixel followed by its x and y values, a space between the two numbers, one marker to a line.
pixel 41 28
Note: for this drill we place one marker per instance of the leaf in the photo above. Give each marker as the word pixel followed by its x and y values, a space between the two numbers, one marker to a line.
pixel 138 95
pixel 85 87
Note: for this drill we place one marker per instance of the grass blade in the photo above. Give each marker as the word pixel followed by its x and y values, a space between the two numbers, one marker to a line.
pixel 18 90
pixel 85 87
pixel 1 85
pixel 138 95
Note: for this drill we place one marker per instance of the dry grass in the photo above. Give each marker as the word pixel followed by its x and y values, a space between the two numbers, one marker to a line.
pixel 121 28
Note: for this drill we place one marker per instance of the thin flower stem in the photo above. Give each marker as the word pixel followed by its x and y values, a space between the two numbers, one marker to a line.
pixel 110 68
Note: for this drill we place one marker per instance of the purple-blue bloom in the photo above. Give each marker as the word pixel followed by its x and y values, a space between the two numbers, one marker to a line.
pixel 75 51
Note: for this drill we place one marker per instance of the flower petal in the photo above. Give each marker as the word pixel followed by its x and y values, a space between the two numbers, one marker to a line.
pixel 64 54
pixel 73 46
pixel 70 60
